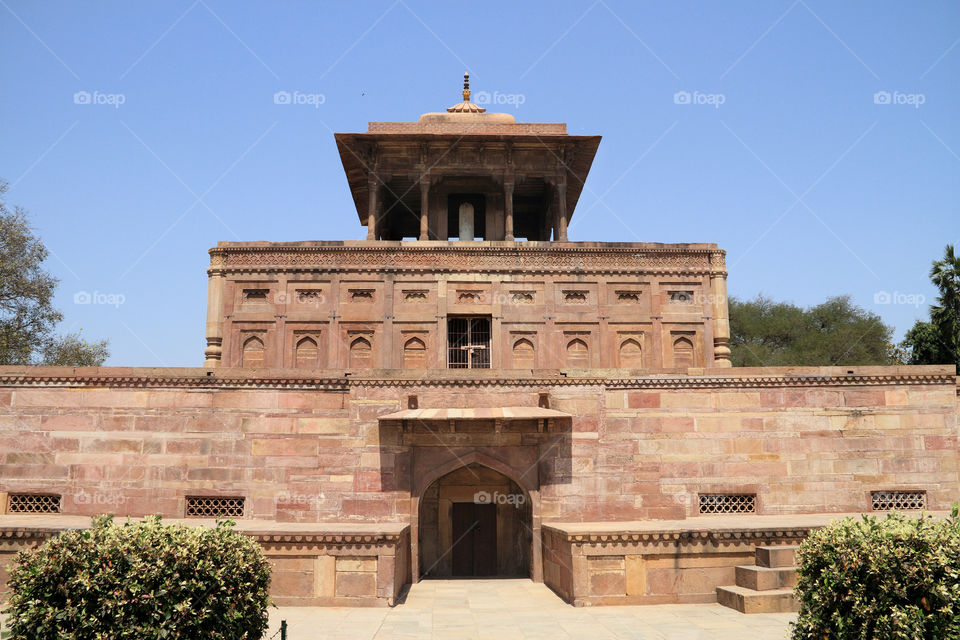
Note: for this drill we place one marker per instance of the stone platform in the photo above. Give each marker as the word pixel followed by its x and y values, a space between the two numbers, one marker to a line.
pixel 669 561
pixel 508 609
pixel 314 564
pixel 598 563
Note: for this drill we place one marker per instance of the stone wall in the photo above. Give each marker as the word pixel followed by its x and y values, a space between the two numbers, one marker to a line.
pixel 313 450
pixel 360 565
pixel 332 305
pixel 303 450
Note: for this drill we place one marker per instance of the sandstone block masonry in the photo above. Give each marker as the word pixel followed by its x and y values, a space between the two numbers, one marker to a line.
pixel 302 449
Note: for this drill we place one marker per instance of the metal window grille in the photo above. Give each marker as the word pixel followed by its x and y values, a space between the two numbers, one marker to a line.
pixel 214 507
pixel 728 503
pixel 468 343
pixel 899 500
pixel 33 503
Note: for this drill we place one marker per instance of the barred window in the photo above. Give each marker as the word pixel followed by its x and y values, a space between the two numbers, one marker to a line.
pixel 468 343
pixel 900 500
pixel 33 503
pixel 728 503
pixel 214 507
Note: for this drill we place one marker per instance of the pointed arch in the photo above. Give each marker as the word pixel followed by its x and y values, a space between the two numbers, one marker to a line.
pixel 524 354
pixel 360 353
pixel 414 354
pixel 306 353
pixel 252 352
pixel 683 356
pixel 631 354
pixel 578 354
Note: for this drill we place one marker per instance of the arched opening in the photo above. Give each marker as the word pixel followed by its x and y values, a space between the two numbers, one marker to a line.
pixel 360 351
pixel 474 521
pixel 307 353
pixel 630 354
pixel 252 355
pixel 523 354
pixel 414 354
pixel 682 353
pixel 578 356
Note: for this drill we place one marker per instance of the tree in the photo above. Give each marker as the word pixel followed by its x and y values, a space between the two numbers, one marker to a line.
pixel 766 333
pixel 937 341
pixel 27 315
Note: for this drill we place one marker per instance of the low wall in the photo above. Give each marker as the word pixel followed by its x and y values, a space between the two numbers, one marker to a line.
pixel 666 562
pixel 320 565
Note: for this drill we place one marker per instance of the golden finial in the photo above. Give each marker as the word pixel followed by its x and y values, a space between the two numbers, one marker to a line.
pixel 466 86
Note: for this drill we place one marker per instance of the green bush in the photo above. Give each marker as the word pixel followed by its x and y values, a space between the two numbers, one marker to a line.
pixel 880 579
pixel 140 580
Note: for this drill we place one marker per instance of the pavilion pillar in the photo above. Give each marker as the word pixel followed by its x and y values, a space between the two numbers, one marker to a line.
pixel 561 189
pixel 425 207
pixel 373 191
pixel 216 280
pixel 508 210
pixel 721 317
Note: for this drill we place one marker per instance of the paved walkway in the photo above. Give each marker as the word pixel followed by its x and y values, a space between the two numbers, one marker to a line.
pixel 502 609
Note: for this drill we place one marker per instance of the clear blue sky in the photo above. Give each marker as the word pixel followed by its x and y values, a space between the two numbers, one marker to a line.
pixel 812 186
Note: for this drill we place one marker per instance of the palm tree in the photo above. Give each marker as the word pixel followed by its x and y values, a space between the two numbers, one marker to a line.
pixel 945 315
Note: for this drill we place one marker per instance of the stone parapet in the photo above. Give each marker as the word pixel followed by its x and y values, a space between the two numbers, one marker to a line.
pixel 624 563
pixel 329 564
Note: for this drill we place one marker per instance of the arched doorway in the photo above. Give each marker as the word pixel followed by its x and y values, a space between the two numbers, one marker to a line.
pixel 475 521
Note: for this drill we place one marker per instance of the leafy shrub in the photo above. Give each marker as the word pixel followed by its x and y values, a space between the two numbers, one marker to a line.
pixel 880 579
pixel 140 580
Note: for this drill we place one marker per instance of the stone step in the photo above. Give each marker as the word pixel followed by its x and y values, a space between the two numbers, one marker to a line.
pixel 749 601
pixel 765 578
pixel 775 557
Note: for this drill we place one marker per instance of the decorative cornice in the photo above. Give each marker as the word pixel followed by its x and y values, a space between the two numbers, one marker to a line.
pixel 688 537
pixel 440 257
pixel 343 383
pixel 325 538
pixel 345 539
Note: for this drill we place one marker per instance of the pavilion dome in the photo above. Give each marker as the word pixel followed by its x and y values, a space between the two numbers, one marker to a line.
pixel 467 111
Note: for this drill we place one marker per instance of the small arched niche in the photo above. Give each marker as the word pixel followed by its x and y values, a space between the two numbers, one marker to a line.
pixel 360 353
pixel 414 354
pixel 523 354
pixel 631 355
pixel 683 353
pixel 578 354
pixel 307 353
pixel 252 352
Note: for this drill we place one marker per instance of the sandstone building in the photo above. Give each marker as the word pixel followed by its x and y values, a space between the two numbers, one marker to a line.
pixel 467 392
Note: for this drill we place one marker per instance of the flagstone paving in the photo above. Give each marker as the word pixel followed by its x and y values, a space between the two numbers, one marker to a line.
pixel 518 608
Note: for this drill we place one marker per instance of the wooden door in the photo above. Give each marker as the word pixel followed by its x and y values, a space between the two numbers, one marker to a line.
pixel 474 539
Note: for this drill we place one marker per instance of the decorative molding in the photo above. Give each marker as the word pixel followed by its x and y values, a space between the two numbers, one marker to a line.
pixel 263 537
pixel 454 258
pixel 697 536
pixel 415 294
pixel 340 382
